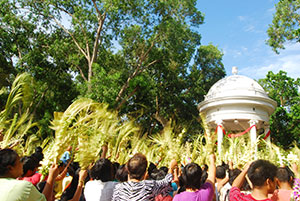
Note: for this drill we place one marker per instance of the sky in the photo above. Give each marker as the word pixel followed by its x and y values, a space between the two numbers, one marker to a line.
pixel 239 29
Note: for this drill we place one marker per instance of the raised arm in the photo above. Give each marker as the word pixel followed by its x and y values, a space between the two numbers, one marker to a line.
pixel 63 174
pixel 239 180
pixel 48 189
pixel 82 176
pixel 211 170
pixel 104 151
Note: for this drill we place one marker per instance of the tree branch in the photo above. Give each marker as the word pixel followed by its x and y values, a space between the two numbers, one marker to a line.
pixel 81 73
pixel 125 99
pixel 159 118
pixel 138 70
pixel 72 36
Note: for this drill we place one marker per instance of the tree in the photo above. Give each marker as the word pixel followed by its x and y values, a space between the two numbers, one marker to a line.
pixel 284 122
pixel 25 48
pixel 148 76
pixel 95 24
pixel 285 24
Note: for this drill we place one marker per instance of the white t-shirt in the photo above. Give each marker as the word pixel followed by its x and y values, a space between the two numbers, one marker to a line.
pixel 97 190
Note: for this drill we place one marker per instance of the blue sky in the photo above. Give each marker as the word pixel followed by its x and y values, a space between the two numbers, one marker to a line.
pixel 239 29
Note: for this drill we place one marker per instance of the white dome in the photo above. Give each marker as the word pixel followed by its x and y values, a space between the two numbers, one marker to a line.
pixel 235 85
pixel 237 97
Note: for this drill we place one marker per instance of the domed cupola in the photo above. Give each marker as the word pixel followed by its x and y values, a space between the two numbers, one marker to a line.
pixel 236 103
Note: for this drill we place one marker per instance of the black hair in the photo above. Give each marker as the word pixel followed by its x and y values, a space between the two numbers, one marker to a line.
pixel 261 170
pixel 204 177
pixel 191 175
pixel 29 163
pixel 158 174
pixel 205 167
pixel 70 191
pixel 165 169
pixel 181 187
pixel 151 168
pixel 115 166
pixel 73 167
pixel 220 172
pixel 121 174
pixel 102 170
pixel 38 154
pixel 233 174
pixel 284 174
pixel 8 157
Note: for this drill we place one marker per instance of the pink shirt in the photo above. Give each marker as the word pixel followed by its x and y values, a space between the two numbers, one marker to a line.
pixel 236 195
pixel 281 195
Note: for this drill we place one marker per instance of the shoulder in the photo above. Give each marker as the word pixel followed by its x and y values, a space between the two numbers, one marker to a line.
pixel 121 185
pixel 26 191
pixel 207 186
pixel 236 194
pixel 23 185
pixel 181 196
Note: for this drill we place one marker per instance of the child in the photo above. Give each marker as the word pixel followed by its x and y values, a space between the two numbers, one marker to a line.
pixel 284 181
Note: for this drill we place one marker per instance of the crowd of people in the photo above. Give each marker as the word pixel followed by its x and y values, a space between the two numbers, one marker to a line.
pixel 140 180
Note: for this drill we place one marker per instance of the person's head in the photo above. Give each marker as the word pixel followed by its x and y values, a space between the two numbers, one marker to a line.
pixel 262 173
pixel 137 166
pixel 165 169
pixel 205 167
pixel 204 176
pixel 233 174
pixel 10 164
pixel 191 175
pixel 220 172
pixel 38 153
pixel 102 170
pixel 285 175
pixel 115 166
pixel 122 173
pixel 73 167
pixel 30 165
pixel 158 174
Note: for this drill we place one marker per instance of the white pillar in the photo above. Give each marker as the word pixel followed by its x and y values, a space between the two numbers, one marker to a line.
pixel 253 130
pixel 267 130
pixel 253 136
pixel 220 135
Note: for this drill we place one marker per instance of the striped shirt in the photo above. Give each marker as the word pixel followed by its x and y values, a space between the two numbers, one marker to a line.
pixel 145 190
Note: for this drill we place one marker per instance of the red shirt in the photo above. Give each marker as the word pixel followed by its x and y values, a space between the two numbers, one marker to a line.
pixel 236 195
pixel 34 179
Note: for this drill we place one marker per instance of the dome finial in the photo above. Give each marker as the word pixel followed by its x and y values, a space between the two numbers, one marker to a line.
pixel 234 70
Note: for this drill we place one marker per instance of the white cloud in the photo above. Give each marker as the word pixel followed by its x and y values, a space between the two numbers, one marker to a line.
pixel 288 60
pixel 249 28
pixel 242 18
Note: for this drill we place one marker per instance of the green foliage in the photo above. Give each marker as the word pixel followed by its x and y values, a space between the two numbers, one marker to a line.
pixel 86 125
pixel 15 119
pixel 285 24
pixel 285 119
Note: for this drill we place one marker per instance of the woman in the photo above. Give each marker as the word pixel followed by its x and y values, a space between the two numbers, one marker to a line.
pixel 18 190
pixel 195 190
pixel 101 187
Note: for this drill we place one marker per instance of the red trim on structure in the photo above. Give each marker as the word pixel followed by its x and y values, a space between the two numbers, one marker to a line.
pixel 231 135
pixel 267 135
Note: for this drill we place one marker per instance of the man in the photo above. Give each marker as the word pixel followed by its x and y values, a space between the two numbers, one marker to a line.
pixel 262 175
pixel 136 188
